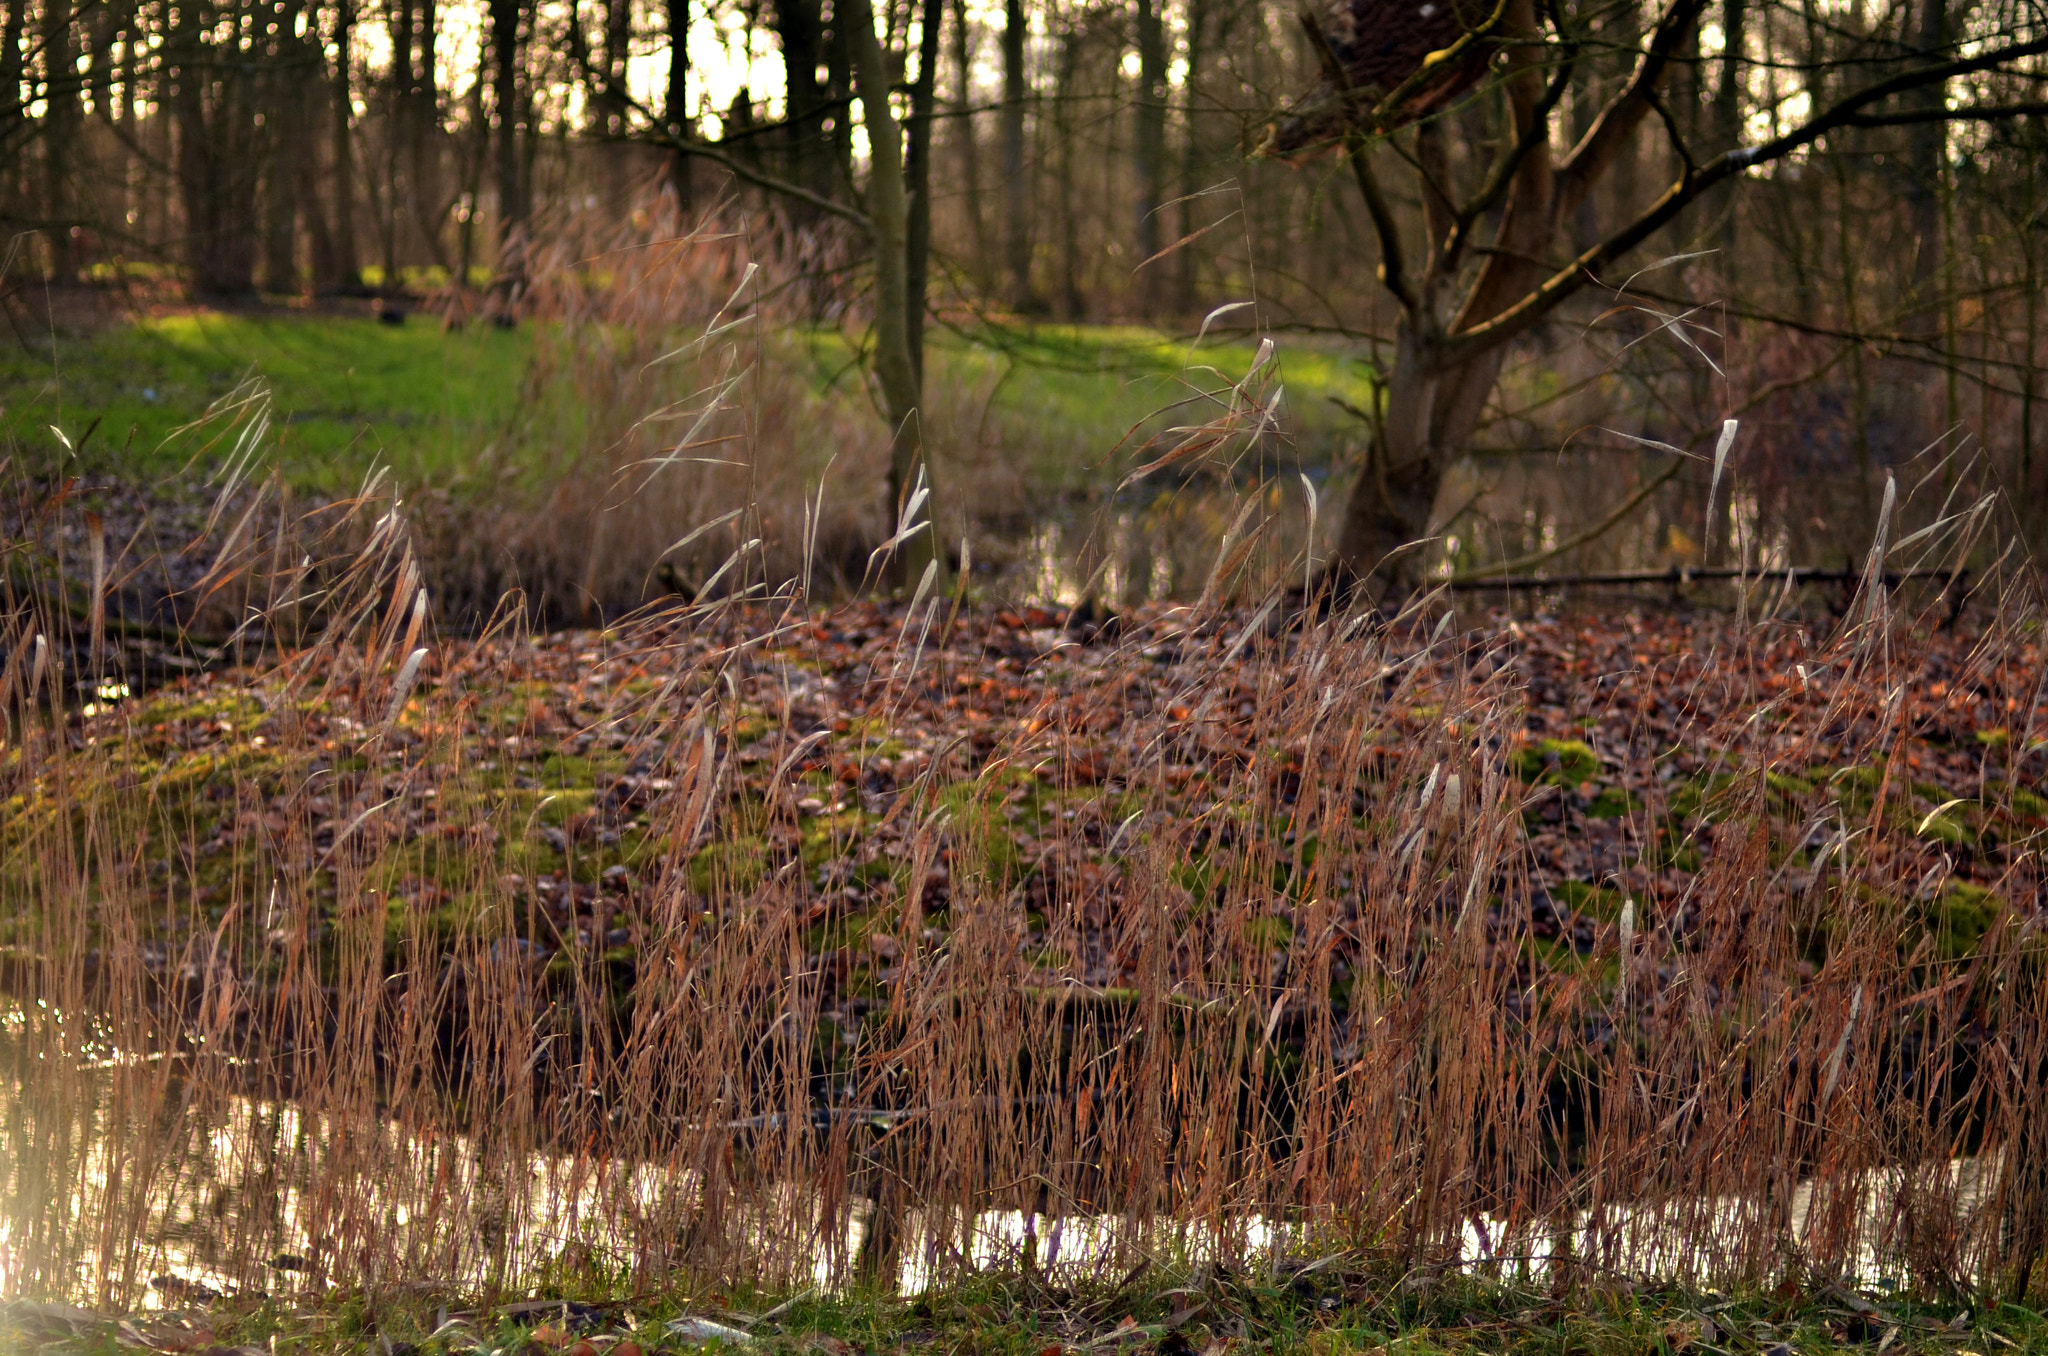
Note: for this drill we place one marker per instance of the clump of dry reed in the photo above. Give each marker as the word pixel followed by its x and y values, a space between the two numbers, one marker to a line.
pixel 1308 1008
pixel 670 388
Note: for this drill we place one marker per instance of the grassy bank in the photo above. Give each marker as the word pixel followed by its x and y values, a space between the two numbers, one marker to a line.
pixel 1294 1310
pixel 437 405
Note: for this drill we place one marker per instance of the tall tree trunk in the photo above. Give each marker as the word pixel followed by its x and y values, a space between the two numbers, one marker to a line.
pixel 347 265
pixel 1149 139
pixel 512 205
pixel 1065 86
pixel 1016 174
pixel 1927 150
pixel 13 112
pixel 1728 119
pixel 800 31
pixel 429 208
pixel 675 104
pixel 216 178
pixel 966 150
pixel 1191 153
pixel 60 136
pixel 612 106
pixel 401 117
pixel 896 366
pixel 917 172
pixel 282 151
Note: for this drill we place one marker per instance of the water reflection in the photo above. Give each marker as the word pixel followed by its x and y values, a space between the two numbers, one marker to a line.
pixel 128 1186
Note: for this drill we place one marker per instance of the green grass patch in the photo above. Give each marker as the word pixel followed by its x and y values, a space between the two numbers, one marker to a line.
pixel 1278 1311
pixel 346 392
pixel 435 404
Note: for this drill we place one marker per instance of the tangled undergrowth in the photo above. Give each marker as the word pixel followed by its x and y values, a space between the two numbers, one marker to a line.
pixel 544 766
pixel 765 941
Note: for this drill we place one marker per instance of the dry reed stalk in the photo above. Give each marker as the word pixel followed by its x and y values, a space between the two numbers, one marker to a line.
pixel 1304 1006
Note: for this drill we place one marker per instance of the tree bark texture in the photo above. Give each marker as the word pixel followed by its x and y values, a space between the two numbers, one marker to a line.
pixel 512 202
pixel 1016 174
pixel 896 365
pixel 1452 333
pixel 675 104
pixel 1149 142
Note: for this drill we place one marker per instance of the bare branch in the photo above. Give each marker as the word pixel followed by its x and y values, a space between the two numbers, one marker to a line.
pixel 1566 281
pixel 1393 267
pixel 1617 122
pixel 659 133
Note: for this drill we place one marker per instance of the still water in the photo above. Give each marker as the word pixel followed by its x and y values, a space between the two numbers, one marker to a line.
pixel 127 1186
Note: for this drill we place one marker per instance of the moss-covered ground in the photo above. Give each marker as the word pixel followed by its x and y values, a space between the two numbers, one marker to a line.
pixel 1296 1311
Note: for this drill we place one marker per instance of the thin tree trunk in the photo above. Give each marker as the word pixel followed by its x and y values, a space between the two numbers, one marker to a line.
pixel 429 208
pixel 1927 147
pixel 1149 139
pixel 13 113
pixel 60 134
pixel 473 177
pixel 1198 18
pixel 1728 121
pixel 675 104
pixel 917 166
pixel 1016 176
pixel 347 267
pixel 401 116
pixel 281 154
pixel 966 149
pixel 216 178
pixel 618 34
pixel 512 206
pixel 896 366
pixel 1073 305
pixel 799 26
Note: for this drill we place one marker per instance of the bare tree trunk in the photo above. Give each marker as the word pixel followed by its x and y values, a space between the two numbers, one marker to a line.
pixel 1016 175
pixel 1072 304
pixel 429 207
pixel 1149 140
pixel 13 112
pixel 60 135
pixel 896 366
pixel 347 267
pixel 966 148
pixel 511 186
pixel 917 167
pixel 675 104
pixel 216 173
pixel 1200 21
pixel 800 28
pixel 281 154
pixel 1437 391
pixel 400 116
pixel 1728 119
pixel 1927 149
pixel 618 35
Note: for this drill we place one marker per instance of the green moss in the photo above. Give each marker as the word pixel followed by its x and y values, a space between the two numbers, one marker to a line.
pixel 733 864
pixel 1557 762
pixel 1611 803
pixel 2026 803
pixel 1583 897
pixel 1269 933
pixel 1960 918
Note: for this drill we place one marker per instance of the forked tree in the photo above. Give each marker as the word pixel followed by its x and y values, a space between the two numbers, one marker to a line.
pixel 1510 236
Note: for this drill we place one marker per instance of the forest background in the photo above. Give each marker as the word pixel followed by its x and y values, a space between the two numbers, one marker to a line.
pixel 1081 181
